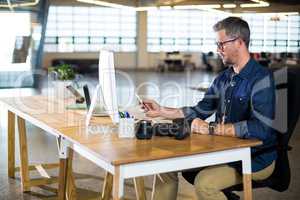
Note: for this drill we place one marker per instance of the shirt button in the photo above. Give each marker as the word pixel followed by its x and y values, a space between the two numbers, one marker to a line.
pixel 228 101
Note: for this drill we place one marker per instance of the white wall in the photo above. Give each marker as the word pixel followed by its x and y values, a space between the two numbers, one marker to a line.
pixel 122 60
pixel 154 58
pixel 142 54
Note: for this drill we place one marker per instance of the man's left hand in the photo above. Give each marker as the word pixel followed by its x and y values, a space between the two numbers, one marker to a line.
pixel 199 126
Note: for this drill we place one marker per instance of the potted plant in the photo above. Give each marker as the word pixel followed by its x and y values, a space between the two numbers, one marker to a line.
pixel 63 72
pixel 61 76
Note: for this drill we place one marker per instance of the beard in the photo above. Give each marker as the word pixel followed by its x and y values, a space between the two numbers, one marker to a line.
pixel 227 61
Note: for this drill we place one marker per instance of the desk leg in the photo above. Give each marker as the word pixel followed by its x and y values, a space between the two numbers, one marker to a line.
pixel 247 175
pixel 11 144
pixel 63 165
pixel 118 185
pixel 107 186
pixel 23 155
pixel 71 187
pixel 138 185
pixel 139 188
pixel 63 169
pixel 247 181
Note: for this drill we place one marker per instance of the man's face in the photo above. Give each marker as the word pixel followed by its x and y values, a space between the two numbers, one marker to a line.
pixel 227 49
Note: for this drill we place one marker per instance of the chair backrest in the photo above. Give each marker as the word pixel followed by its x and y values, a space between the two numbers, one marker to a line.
pixel 287 79
pixel 293 100
pixel 280 179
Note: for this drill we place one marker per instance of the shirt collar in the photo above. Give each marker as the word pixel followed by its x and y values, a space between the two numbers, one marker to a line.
pixel 244 73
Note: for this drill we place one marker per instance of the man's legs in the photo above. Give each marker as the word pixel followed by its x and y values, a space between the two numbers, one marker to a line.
pixel 210 182
pixel 166 186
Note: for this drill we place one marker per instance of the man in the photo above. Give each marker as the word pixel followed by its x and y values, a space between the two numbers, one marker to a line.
pixel 243 100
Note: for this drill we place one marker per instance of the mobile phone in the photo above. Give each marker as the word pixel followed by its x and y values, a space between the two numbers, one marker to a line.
pixel 79 98
pixel 141 102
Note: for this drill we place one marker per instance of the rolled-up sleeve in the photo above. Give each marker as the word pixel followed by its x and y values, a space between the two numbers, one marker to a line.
pixel 206 107
pixel 241 129
pixel 259 125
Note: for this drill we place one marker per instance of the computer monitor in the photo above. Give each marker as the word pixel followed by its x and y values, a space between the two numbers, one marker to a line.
pixel 107 81
pixel 106 88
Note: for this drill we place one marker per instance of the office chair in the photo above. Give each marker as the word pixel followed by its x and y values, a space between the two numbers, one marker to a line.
pixel 280 178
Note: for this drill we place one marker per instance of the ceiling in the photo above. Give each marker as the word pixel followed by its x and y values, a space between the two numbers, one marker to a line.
pixel 275 5
pixel 21 5
pixel 5 2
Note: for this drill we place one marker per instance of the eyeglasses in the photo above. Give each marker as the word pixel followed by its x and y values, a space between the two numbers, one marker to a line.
pixel 220 45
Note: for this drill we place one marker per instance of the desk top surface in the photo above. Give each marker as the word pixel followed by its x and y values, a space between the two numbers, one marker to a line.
pixel 102 138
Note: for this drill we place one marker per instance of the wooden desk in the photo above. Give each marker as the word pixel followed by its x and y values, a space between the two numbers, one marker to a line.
pixel 130 158
pixel 36 109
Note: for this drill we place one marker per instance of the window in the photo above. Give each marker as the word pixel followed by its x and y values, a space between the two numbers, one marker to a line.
pixel 87 29
pixel 14 27
pixel 274 34
pixel 182 30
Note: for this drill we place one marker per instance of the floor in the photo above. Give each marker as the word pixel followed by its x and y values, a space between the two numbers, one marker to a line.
pixel 170 89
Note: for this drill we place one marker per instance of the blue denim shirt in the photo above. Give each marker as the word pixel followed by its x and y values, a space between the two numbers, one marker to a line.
pixel 247 100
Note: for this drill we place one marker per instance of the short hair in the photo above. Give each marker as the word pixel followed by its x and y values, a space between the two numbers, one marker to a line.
pixel 234 27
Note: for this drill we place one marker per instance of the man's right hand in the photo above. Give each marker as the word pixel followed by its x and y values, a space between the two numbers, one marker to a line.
pixel 153 109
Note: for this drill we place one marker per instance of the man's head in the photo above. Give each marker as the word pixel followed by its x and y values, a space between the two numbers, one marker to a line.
pixel 233 37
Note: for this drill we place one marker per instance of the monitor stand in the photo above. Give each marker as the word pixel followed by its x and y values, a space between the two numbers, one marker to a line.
pixel 94 109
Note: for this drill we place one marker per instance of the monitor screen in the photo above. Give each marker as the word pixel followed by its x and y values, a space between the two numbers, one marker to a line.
pixel 107 81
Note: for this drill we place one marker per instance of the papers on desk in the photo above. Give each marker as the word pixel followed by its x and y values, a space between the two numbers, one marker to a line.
pixel 139 114
pixel 135 111
pixel 203 87
pixel 76 106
